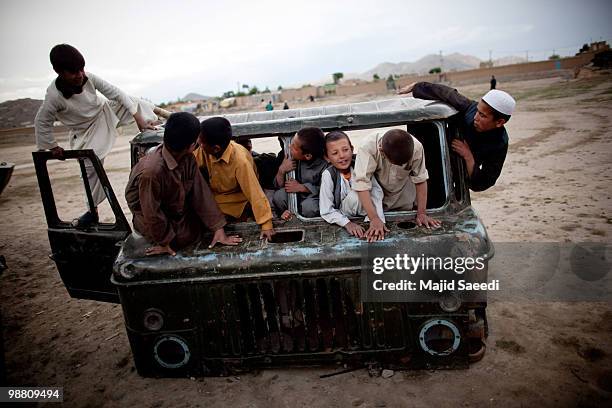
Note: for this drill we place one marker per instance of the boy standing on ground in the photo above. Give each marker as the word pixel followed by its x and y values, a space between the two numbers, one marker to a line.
pixel 397 160
pixel 486 140
pixel 232 175
pixel 171 203
pixel 72 99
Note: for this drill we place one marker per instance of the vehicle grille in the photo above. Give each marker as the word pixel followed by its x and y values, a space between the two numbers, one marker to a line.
pixel 321 314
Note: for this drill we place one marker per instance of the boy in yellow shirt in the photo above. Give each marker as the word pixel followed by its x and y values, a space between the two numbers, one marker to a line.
pixel 232 175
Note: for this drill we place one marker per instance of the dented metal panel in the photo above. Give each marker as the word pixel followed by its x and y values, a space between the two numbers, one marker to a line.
pixel 354 115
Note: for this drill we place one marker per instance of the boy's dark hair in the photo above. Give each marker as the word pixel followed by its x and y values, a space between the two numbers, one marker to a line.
pixel 497 115
pixel 245 142
pixel 313 141
pixel 335 136
pixel 181 131
pixel 217 131
pixel 398 146
pixel 65 57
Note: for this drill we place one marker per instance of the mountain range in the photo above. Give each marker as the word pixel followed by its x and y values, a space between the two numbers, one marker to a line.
pixel 451 62
pixel 21 112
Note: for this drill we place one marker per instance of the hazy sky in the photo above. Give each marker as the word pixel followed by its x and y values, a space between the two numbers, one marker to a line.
pixel 162 50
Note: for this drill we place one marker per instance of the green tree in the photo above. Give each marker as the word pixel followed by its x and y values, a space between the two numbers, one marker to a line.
pixel 554 57
pixel 436 70
pixel 375 77
pixel 280 88
pixel 337 76
pixel 253 91
pixel 267 90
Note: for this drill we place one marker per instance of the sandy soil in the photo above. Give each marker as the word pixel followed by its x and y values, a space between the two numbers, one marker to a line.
pixel 555 187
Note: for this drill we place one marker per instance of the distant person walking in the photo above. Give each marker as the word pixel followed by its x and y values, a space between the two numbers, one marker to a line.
pixel 285 106
pixel 493 82
pixel 72 98
pixel 269 106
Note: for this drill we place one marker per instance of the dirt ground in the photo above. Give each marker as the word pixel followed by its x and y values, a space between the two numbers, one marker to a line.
pixel 555 187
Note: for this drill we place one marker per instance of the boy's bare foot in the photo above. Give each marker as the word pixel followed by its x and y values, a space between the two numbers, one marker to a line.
pixel 286 215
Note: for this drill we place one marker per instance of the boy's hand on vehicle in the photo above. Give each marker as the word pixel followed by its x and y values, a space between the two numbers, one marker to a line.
pixel 423 220
pixel 355 230
pixel 224 239
pixel 406 89
pixel 142 124
pixel 287 165
pixel 286 215
pixel 292 186
pixel 57 152
pixel 159 250
pixel 462 149
pixel 267 234
pixel 377 230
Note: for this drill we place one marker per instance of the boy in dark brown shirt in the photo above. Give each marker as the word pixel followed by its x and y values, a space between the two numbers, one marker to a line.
pixel 170 201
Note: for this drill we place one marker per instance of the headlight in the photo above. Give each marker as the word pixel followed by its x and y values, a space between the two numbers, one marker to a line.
pixel 439 337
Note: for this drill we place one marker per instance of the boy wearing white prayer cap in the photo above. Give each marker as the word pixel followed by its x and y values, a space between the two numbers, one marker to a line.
pixel 486 140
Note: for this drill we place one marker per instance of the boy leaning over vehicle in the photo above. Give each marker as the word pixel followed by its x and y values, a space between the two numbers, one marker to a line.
pixel 397 160
pixel 484 123
pixel 170 200
pixel 232 175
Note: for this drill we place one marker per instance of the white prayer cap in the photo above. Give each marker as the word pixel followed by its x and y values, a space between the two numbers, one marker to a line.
pixel 500 101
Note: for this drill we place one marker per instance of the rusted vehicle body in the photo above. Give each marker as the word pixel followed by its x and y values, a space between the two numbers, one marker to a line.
pixel 6 171
pixel 295 300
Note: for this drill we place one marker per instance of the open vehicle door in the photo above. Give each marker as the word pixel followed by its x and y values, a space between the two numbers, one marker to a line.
pixel 84 258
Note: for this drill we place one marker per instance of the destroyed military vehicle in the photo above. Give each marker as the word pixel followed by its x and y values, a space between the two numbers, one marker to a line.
pixel 295 300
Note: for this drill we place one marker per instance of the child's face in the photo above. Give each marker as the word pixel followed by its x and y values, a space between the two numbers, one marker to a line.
pixel 296 150
pixel 340 153
pixel 212 150
pixel 73 78
pixel 484 119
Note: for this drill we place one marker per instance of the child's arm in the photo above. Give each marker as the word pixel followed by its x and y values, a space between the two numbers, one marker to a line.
pixel 286 166
pixel 326 202
pixel 116 94
pixel 438 92
pixel 377 228
pixel 421 197
pixel 331 214
pixel 377 194
pixel 294 186
pixel 419 176
pixel 43 126
pixel 249 184
pixel 365 166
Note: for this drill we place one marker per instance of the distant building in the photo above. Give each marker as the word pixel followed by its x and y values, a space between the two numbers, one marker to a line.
pixel 594 47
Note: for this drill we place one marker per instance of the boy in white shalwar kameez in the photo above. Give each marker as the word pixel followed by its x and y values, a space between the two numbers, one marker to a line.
pixel 92 119
pixel 337 200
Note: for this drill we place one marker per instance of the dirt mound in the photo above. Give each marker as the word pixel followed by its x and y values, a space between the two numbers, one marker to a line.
pixel 18 113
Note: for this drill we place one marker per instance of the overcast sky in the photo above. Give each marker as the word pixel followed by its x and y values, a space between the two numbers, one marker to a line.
pixel 161 50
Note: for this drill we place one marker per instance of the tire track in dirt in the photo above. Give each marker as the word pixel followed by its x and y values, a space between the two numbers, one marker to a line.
pixel 592 136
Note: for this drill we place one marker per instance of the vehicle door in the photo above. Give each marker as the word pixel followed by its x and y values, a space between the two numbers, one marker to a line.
pixel 84 257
